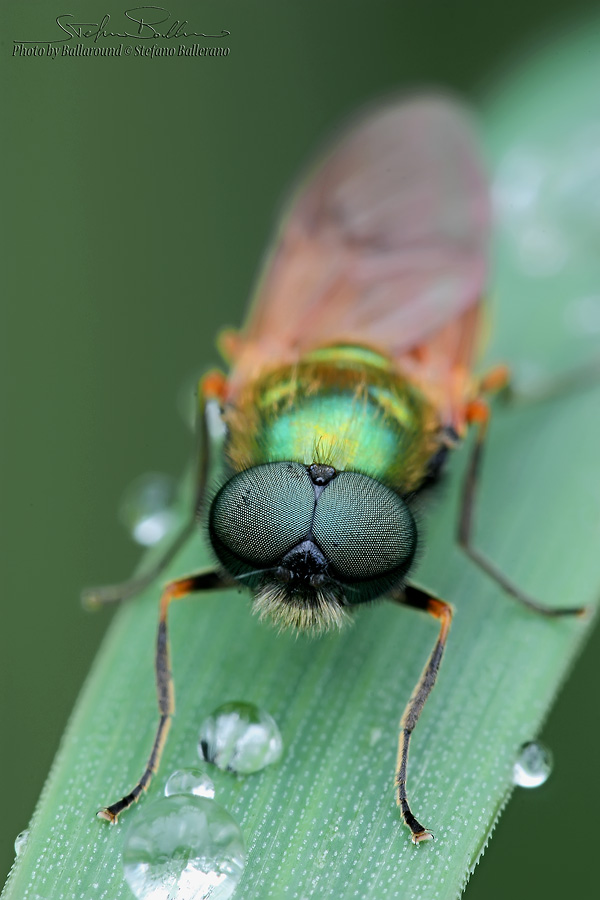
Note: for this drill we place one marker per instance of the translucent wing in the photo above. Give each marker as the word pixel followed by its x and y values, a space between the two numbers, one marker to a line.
pixel 384 245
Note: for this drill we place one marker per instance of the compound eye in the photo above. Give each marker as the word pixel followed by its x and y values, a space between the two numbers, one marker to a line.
pixel 263 512
pixel 363 527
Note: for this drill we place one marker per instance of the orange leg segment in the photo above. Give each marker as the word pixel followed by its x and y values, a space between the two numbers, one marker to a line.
pixel 495 380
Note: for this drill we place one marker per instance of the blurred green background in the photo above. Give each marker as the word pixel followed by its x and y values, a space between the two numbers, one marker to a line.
pixel 139 195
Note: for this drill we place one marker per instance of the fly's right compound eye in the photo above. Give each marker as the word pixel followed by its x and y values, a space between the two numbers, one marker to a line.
pixel 260 514
pixel 365 529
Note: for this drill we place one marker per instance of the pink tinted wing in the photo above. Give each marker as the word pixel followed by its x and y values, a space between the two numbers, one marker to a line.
pixel 383 246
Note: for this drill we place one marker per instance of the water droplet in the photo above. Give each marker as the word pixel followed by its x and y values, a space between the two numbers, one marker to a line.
pixel 21 841
pixel 533 765
pixel 189 781
pixel 240 737
pixel 183 848
pixel 146 507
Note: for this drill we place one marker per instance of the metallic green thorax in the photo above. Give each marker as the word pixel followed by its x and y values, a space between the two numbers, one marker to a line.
pixel 342 406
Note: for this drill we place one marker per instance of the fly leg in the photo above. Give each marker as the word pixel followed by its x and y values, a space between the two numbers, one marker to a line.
pixel 175 590
pixel 478 414
pixel 442 611
pixel 553 387
pixel 209 430
pixel 93 598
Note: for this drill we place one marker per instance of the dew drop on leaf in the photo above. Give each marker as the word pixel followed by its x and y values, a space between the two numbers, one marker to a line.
pixel 21 841
pixel 146 508
pixel 240 737
pixel 533 765
pixel 183 848
pixel 189 781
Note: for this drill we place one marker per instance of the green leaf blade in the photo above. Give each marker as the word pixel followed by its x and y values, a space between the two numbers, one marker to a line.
pixel 323 821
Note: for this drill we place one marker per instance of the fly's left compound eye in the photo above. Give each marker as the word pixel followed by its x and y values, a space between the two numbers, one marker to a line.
pixel 364 528
pixel 260 514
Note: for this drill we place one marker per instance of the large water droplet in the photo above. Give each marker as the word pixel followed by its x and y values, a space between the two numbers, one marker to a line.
pixel 189 781
pixel 21 841
pixel 240 737
pixel 533 765
pixel 146 507
pixel 183 848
